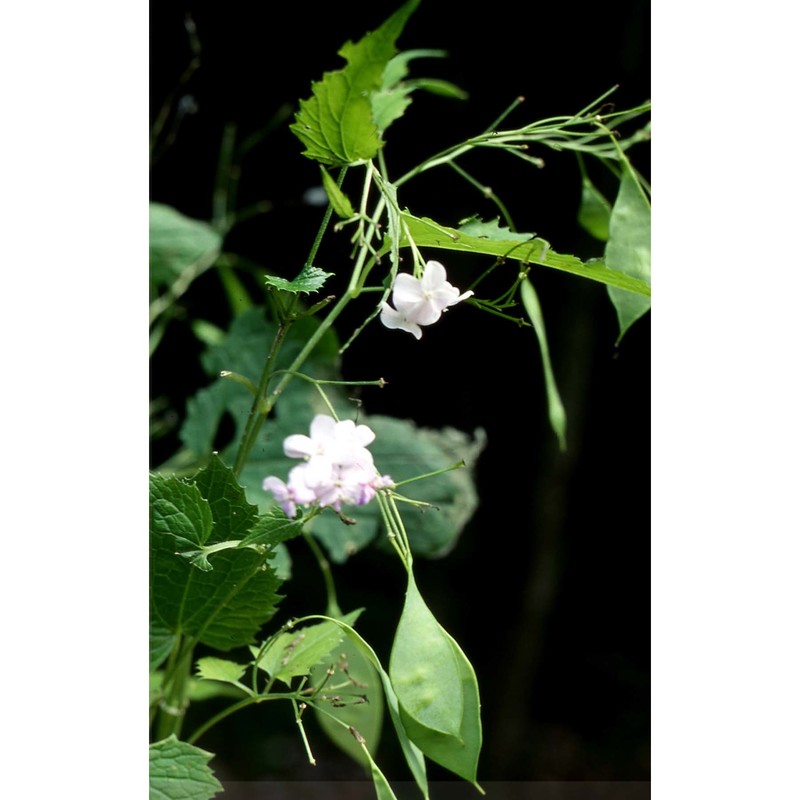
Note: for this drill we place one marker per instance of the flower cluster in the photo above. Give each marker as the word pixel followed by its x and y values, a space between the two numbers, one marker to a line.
pixel 420 301
pixel 337 468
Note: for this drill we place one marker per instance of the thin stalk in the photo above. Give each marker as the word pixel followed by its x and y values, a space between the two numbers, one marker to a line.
pixel 261 406
pixel 327 575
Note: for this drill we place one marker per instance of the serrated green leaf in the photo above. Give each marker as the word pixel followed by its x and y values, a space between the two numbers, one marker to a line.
pixel 594 212
pixel 310 279
pixel 211 668
pixel 404 451
pixel 179 510
pixel 335 124
pixel 224 607
pixel 178 243
pixel 180 771
pixel 424 670
pixel 427 233
pixel 555 408
pixel 272 528
pixel 295 652
pixel 338 199
pixel 628 247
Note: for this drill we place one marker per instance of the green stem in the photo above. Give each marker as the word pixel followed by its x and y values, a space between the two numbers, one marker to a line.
pixel 174 700
pixel 261 405
pixel 226 712
pixel 333 609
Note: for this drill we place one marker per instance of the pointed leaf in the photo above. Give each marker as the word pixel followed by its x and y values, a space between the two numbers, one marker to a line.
pixel 628 247
pixel 424 669
pixel 338 199
pixel 335 124
pixel 558 417
pixel 180 771
pixel 458 753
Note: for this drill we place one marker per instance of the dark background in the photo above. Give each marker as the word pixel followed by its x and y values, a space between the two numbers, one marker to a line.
pixel 548 588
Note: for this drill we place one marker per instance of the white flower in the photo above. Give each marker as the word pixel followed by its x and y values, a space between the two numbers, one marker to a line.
pixel 337 468
pixel 420 301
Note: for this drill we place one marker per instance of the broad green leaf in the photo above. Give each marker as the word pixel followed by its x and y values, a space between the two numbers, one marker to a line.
pixel 335 124
pixel 628 247
pixel 352 666
pixel 295 652
pixel 594 212
pixel 210 668
pixel 413 755
pixel 180 771
pixel 555 408
pixel 427 233
pixel 310 279
pixel 223 607
pixel 179 244
pixel 424 669
pixel 338 199
pixel 404 451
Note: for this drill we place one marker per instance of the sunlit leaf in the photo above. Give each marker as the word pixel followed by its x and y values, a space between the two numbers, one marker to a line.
pixel 336 124
pixel 211 668
pixel 295 652
pixel 427 233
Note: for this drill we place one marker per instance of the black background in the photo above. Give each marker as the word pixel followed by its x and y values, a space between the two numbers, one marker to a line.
pixel 548 589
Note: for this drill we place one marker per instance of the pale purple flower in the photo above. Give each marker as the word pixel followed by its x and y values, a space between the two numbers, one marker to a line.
pixel 337 468
pixel 420 301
